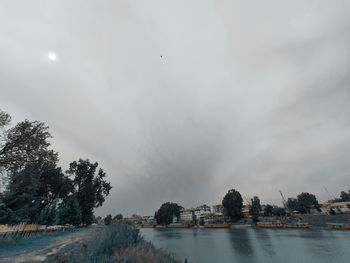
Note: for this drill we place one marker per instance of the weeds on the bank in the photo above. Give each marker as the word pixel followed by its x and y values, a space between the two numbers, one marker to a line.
pixel 116 243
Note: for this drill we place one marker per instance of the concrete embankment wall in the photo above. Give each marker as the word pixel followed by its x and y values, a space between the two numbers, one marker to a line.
pixel 321 220
pixel 315 220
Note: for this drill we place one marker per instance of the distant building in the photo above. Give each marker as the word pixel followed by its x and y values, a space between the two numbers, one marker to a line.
pixel 151 220
pixel 186 215
pixel 340 207
pixel 148 220
pixel 325 207
pixel 213 218
pixel 245 211
pixel 218 209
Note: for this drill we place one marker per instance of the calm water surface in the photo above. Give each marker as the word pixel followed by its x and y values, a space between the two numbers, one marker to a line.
pixel 253 244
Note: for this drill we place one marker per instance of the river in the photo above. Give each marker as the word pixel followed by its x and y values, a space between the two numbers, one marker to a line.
pixel 253 245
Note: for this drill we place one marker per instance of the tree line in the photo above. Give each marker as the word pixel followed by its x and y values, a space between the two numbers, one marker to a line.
pixel 233 203
pixel 34 189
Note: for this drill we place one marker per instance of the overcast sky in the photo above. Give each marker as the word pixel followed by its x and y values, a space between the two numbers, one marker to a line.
pixel 183 100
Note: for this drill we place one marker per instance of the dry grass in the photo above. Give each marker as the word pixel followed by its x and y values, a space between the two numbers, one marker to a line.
pixel 116 243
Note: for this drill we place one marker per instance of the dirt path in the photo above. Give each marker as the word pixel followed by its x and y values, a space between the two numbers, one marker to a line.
pixel 36 249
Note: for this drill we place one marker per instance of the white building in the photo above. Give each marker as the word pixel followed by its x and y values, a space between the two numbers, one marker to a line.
pixel 218 209
pixel 187 214
pixel 341 207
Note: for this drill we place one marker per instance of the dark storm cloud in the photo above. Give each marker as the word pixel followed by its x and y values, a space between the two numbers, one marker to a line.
pixel 182 100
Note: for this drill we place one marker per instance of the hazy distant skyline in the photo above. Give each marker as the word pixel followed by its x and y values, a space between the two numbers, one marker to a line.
pixel 183 100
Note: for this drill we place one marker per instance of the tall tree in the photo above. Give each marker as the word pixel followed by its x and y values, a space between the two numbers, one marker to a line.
pixel 166 212
pixel 233 204
pixel 6 214
pixel 118 217
pixel 293 204
pixel 108 220
pixel 278 211
pixel 345 197
pixel 268 210
pixel 306 202
pixel 5 119
pixel 25 143
pixel 54 185
pixel 21 196
pixel 255 208
pixel 29 169
pixel 32 193
pixel 69 212
pixel 90 187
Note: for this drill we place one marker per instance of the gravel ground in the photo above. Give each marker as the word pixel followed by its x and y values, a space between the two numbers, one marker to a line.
pixel 36 249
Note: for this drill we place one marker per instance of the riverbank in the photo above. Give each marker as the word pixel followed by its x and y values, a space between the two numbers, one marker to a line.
pixel 321 220
pixel 294 221
pixel 315 220
pixel 116 243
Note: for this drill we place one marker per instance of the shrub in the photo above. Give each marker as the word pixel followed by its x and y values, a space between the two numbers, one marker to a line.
pixel 114 243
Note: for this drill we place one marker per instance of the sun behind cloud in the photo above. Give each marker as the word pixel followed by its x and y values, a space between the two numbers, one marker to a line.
pixel 52 56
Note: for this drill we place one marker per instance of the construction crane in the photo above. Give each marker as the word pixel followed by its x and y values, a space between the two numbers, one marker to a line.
pixel 247 200
pixel 331 197
pixel 283 199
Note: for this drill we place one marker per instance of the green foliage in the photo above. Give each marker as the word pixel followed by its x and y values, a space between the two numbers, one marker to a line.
pixel 90 188
pixel 255 208
pixel 36 189
pixel 108 220
pixel 48 214
pixel 293 204
pixel 306 201
pixel 69 212
pixel 166 213
pixel 5 119
pixel 24 144
pixel 115 243
pixel 303 203
pixel 118 217
pixel 268 210
pixel 6 214
pixel 345 197
pixel 233 204
pixel 32 193
pixel 278 211
pixel 22 196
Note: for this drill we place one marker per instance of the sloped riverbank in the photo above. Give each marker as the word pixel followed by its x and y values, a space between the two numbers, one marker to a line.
pixel 117 243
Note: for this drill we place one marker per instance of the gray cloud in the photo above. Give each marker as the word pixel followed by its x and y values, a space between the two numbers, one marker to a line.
pixel 246 96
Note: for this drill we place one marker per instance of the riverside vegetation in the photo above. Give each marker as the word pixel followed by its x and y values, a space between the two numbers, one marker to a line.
pixel 113 243
pixel 35 190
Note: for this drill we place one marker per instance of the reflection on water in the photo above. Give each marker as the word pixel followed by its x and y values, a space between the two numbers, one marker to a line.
pixel 241 244
pixel 253 244
pixel 266 243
